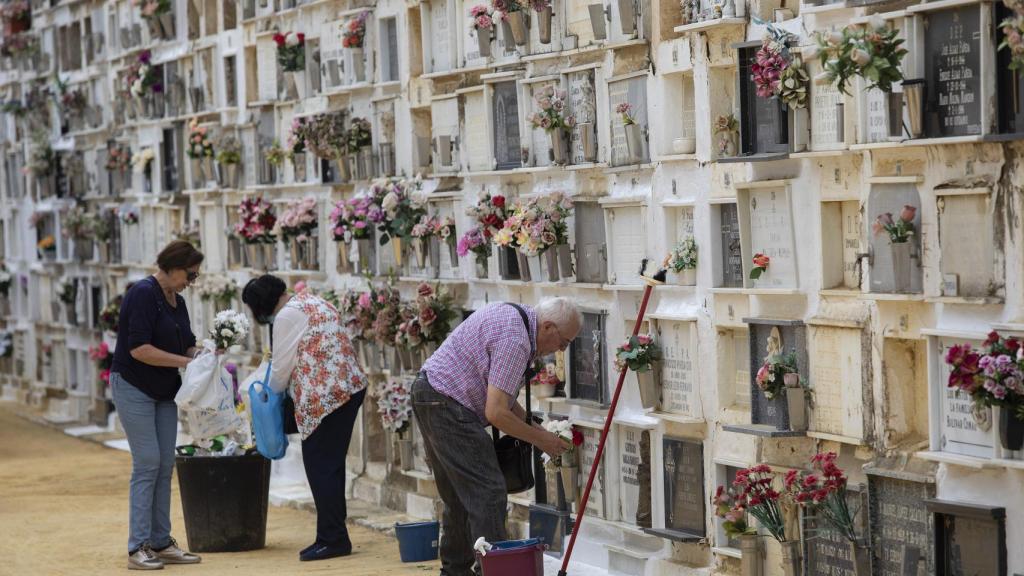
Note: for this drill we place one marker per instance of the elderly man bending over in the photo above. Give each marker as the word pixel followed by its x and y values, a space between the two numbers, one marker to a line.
pixel 471 381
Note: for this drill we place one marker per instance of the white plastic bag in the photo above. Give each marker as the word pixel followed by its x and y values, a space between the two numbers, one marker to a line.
pixel 207 396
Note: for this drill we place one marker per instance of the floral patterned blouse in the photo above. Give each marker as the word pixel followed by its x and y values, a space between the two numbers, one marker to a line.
pixel 313 347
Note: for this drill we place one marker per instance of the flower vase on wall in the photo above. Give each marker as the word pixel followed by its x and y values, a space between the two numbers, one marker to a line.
pixel 517 22
pixel 634 142
pixel 565 261
pixel 358 65
pixel 524 266
pixel 796 403
pixel 550 258
pixel 901 266
pixel 420 248
pixel 483 40
pixel 650 396
pixel 405 453
pixel 481 267
pixel 559 146
pixel 752 552
pixel 1011 429
pixel 544 25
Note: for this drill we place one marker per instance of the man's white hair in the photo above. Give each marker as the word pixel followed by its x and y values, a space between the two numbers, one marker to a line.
pixel 562 311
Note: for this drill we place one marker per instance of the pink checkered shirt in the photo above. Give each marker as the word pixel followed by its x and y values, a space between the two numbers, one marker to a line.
pixel 488 348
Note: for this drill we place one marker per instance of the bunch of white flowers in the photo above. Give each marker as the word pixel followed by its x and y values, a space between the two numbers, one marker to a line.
pixel 564 430
pixel 229 328
pixel 216 287
pixel 395 405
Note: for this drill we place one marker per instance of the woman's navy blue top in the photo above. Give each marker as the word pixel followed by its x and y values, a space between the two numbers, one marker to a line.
pixel 147 318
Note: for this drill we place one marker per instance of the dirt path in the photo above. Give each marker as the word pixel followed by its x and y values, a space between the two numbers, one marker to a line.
pixel 64 511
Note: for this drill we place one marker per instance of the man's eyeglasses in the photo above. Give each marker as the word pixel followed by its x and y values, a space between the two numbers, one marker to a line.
pixel 565 341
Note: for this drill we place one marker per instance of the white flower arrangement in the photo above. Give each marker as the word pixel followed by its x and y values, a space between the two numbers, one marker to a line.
pixel 229 328
pixel 142 158
pixel 395 406
pixel 564 430
pixel 216 287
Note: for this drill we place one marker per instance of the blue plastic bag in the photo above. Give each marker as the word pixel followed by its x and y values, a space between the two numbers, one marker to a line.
pixel 268 418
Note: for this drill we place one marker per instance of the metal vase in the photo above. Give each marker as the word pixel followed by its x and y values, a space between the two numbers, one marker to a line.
pixel 269 255
pixel 405 453
pixel 232 176
pixel 420 248
pixel 564 260
pixel 358 65
pixel 752 549
pixel 559 146
pixel 1011 429
pixel 634 141
pixel 299 82
pixel 627 17
pixel 597 21
pixel 481 268
pixel 254 256
pixel 687 277
pixel 544 25
pixel 517 22
pixel 483 39
pixel 570 481
pixel 901 266
pixel 299 166
pixel 913 97
pixel 524 266
pixel 861 557
pixel 796 404
pixel 396 246
pixel 343 262
pixel 364 251
pixel 551 264
pixel 840 123
pixel 650 396
pixel 167 25
pixel 366 162
pixel 791 564
pixel 588 141
pixel 196 168
pixel 895 114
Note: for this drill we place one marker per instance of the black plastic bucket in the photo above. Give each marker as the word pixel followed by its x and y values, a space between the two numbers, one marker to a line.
pixel 224 499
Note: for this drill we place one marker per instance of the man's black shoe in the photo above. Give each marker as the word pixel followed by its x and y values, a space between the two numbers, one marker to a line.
pixel 323 552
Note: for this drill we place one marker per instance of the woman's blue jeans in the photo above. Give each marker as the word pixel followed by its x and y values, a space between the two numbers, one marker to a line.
pixel 152 428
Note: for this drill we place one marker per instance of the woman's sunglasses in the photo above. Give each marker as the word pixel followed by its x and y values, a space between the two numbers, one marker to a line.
pixel 191 276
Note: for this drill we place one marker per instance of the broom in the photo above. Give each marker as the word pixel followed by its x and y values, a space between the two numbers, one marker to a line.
pixel 652 281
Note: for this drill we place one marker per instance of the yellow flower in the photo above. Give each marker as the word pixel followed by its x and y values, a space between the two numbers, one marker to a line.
pixel 523 238
pixel 503 237
pixel 46 243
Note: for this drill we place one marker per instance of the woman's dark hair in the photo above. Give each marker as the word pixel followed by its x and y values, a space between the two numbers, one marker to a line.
pixel 178 255
pixel 262 294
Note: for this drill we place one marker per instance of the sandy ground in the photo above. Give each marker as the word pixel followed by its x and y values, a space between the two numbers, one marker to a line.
pixel 64 511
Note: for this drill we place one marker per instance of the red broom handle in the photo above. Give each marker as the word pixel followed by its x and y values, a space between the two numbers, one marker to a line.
pixel 604 437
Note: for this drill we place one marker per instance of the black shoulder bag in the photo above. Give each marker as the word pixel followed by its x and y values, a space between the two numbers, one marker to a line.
pixel 515 456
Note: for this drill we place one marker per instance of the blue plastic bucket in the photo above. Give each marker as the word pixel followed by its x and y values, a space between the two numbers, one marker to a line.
pixel 417 542
pixel 514 558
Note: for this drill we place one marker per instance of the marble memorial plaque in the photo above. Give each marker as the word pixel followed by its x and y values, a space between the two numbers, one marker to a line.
pixel 835 359
pixel 628 244
pixel 678 395
pixel 825 118
pixel 877 117
pixel 507 145
pixel 684 486
pixel 732 250
pixel 582 101
pixel 477 145
pixel 441 36
pixel 771 234
pixel 902 530
pixel 629 479
pixel 596 504
pixel 591 247
pixel 962 429
pixel 618 93
pixel 953 72
pixel 967 251
pixel 850 214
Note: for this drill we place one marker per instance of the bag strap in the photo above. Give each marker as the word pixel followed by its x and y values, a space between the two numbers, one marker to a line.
pixel 528 375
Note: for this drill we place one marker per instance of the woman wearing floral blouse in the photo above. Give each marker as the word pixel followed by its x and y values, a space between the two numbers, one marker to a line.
pixel 314 360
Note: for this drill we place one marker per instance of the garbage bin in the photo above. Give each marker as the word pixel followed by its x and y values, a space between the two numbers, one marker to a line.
pixel 224 500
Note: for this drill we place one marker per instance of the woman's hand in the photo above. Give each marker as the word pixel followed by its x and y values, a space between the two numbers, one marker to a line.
pixel 552 444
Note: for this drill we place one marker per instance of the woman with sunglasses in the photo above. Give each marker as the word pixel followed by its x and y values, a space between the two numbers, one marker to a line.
pixel 154 340
pixel 313 358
